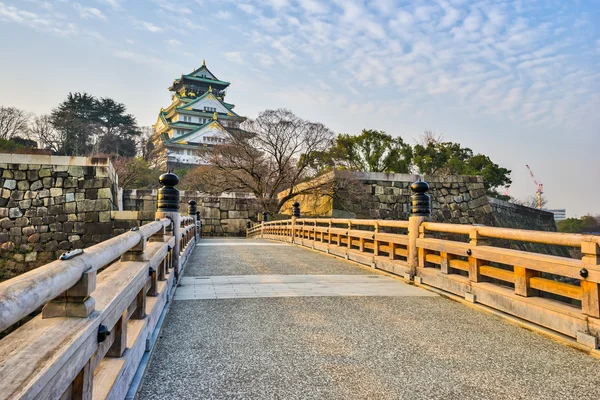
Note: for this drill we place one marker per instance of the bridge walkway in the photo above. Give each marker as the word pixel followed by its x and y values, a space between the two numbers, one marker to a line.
pixel 256 319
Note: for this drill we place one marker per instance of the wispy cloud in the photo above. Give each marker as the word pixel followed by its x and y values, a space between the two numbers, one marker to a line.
pixel 89 12
pixel 46 22
pixel 498 58
pixel 149 26
pixel 137 57
pixel 234 56
pixel 223 15
pixel 174 42
pixel 114 4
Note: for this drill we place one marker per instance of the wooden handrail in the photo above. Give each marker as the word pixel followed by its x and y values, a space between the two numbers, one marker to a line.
pixel 522 235
pixel 25 293
pixel 475 269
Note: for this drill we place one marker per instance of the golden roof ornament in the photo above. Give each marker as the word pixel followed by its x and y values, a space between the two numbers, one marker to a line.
pixel 203 62
pixel 215 116
pixel 210 88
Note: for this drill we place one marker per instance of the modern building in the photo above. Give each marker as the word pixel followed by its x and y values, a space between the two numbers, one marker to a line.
pixel 198 117
pixel 559 214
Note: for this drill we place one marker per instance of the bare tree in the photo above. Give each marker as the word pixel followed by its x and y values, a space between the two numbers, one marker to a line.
pixel 268 155
pixel 13 122
pixel 41 130
pixel 530 201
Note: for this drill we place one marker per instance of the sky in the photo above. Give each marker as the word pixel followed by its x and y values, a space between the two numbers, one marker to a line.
pixel 518 81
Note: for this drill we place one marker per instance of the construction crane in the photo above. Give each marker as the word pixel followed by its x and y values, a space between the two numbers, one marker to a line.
pixel 540 188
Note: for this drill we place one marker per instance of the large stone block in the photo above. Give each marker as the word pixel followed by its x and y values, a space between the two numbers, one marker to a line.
pixel 10 184
pixel 226 204
pixel 104 193
pixel 233 226
pixel 76 171
pixel 15 212
pixel 209 213
pixel 44 173
pixel 48 183
pixel 70 183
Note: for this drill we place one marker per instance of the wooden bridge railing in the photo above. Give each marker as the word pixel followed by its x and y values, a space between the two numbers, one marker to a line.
pixel 101 308
pixel 558 293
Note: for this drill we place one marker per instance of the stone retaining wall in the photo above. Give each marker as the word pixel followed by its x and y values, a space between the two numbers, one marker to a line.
pixel 375 195
pixel 51 204
pixel 225 215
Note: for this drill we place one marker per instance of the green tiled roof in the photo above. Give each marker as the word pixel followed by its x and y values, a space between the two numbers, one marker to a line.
pixel 187 134
pixel 206 80
pixel 203 96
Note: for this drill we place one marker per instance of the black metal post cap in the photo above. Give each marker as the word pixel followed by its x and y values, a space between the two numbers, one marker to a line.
pixel 296 209
pixel 420 201
pixel 168 179
pixel 168 195
pixel 420 186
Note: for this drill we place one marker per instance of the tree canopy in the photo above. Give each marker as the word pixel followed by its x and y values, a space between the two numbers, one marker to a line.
pixel 585 224
pixel 86 125
pixel 372 150
pixel 436 157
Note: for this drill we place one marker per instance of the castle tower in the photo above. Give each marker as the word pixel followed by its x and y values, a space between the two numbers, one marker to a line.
pixel 198 117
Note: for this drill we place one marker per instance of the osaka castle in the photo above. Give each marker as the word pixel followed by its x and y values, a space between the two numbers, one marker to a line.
pixel 198 117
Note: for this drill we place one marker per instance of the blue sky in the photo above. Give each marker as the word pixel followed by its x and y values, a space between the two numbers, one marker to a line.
pixel 516 80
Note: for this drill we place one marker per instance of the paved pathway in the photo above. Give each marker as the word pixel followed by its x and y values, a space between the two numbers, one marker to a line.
pixel 258 320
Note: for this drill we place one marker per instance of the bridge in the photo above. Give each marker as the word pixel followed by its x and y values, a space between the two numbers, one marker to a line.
pixel 307 308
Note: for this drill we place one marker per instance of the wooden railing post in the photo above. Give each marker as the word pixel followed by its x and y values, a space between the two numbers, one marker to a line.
pixel 349 237
pixel 522 281
pixel 168 207
pixel 81 388
pixel 474 263
pixel 590 301
pixel 420 212
pixel 375 241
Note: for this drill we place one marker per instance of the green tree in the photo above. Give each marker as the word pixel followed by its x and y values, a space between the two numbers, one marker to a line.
pixel 435 157
pixel 372 150
pixel 117 130
pixel 74 118
pixel 9 146
pixel 88 125
pixel 587 223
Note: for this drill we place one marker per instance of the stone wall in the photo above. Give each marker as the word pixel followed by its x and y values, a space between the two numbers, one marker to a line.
pixel 51 204
pixel 454 199
pixel 225 215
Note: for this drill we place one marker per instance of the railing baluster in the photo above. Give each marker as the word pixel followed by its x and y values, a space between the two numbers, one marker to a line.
pixel 475 263
pixel 522 281
pixel 590 302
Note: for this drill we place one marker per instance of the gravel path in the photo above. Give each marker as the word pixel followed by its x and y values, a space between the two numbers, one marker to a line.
pixel 248 257
pixel 350 347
